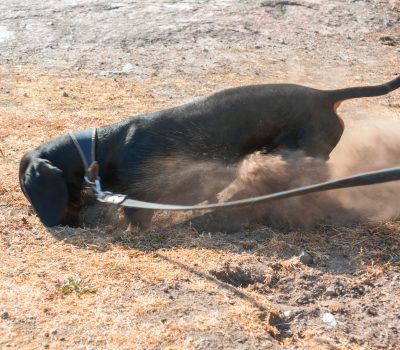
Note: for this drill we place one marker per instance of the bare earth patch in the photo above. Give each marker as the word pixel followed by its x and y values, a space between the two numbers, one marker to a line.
pixel 177 286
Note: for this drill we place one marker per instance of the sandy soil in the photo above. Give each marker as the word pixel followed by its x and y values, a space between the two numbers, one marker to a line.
pixel 177 286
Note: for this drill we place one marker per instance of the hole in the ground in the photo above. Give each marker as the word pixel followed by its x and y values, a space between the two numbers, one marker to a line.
pixel 238 276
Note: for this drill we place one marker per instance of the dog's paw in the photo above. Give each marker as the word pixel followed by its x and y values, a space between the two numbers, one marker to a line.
pixel 135 220
pixel 133 229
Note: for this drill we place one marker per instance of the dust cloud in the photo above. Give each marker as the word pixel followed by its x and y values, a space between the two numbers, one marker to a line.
pixel 366 146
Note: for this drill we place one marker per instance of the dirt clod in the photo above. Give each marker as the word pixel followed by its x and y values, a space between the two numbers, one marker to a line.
pixel 306 258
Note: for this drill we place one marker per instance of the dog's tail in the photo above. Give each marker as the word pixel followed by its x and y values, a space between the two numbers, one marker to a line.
pixel 363 91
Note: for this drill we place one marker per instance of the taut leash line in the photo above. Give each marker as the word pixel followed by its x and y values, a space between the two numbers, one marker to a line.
pixel 361 179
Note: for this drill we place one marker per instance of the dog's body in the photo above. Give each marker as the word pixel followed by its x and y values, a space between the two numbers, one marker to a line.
pixel 225 126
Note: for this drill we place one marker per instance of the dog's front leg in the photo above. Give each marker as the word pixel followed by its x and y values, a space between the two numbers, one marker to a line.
pixel 136 219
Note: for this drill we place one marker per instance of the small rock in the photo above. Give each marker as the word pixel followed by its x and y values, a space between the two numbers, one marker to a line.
pixel 329 319
pixel 54 331
pixel 372 311
pixel 47 334
pixel 127 68
pixel 26 95
pixel 242 340
pixel 330 292
pixel 287 313
pixel 5 315
pixel 304 299
pixel 306 258
pixel 65 94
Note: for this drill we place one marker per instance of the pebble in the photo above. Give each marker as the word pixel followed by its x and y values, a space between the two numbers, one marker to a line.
pixel 329 319
pixel 330 292
pixel 306 258
pixel 304 299
pixel 5 315
pixel 65 94
pixel 127 68
pixel 287 313
pixel 242 340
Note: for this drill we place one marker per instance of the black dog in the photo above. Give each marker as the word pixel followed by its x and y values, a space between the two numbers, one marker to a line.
pixel 225 126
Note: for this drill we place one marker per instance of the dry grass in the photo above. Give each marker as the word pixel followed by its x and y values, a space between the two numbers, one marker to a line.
pixel 157 290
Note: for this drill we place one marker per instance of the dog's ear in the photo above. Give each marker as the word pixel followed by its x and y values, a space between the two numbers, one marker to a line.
pixel 44 185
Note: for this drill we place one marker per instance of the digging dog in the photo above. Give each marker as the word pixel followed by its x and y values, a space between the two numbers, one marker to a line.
pixel 225 127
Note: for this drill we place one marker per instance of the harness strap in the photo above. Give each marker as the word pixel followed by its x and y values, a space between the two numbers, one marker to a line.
pixel 85 143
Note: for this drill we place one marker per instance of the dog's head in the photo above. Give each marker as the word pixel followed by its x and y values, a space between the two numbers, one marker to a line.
pixel 44 185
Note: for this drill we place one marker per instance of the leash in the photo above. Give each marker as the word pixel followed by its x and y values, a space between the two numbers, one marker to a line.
pixel 93 183
pixel 362 179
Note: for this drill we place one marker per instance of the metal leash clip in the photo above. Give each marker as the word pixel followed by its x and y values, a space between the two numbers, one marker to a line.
pixel 93 186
